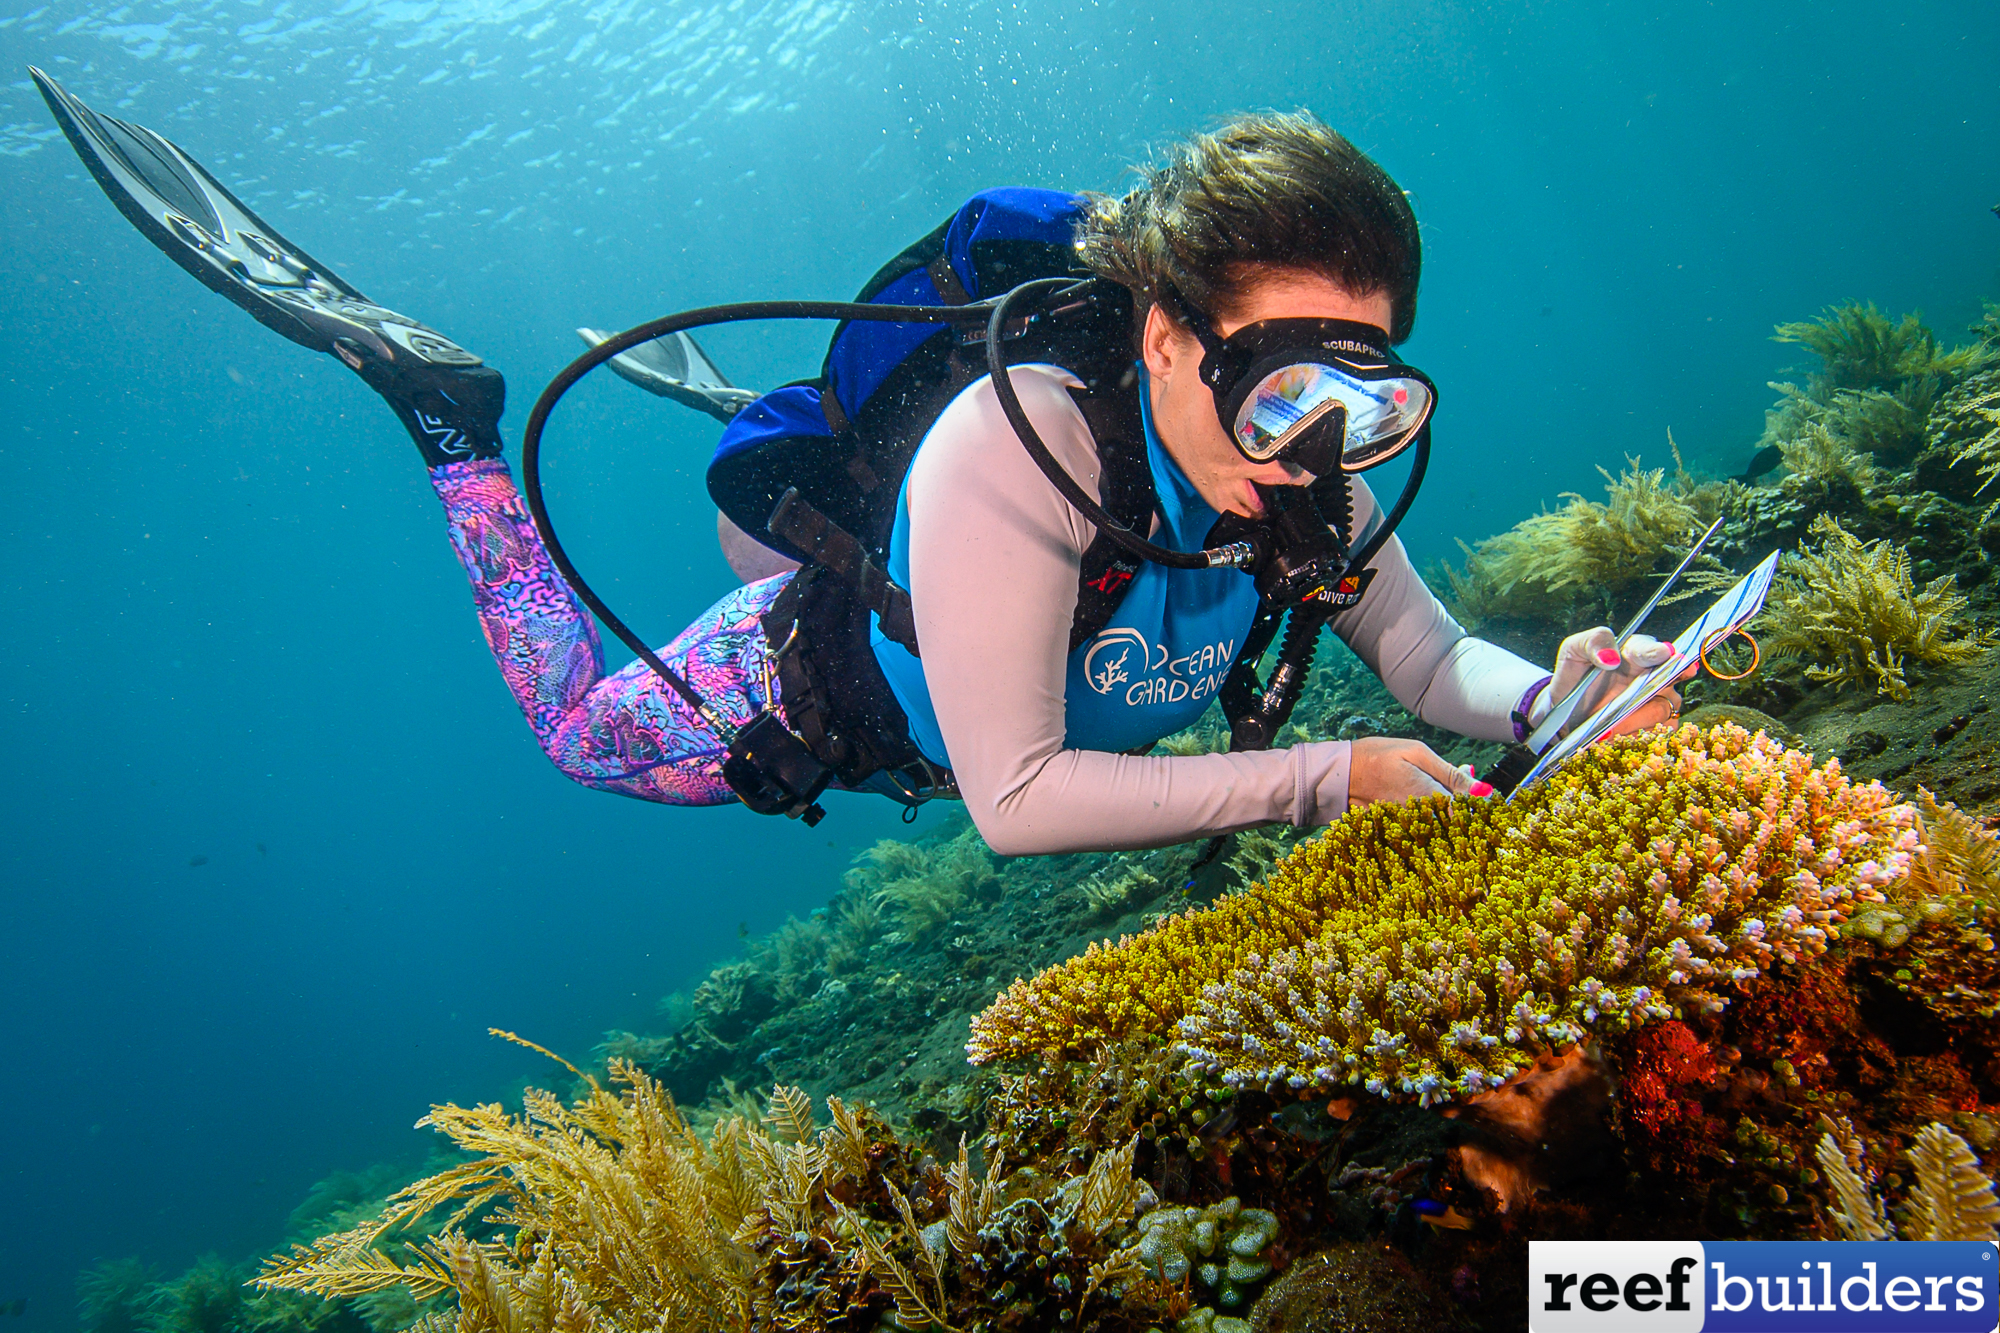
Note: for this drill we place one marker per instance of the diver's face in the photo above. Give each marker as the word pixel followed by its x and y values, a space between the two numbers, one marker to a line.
pixel 1184 409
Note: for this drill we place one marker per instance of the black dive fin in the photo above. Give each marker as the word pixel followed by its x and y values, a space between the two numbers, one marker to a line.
pixel 177 205
pixel 675 367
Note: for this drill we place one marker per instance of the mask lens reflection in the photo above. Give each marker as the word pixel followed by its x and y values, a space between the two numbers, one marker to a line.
pixel 1380 416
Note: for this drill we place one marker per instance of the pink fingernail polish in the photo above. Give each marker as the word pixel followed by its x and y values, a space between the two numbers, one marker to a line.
pixel 1607 657
pixel 1482 789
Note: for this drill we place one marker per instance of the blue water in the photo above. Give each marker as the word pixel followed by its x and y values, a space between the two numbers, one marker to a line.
pixel 235 632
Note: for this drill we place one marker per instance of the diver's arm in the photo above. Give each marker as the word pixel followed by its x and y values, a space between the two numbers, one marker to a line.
pixel 1435 669
pixel 994 554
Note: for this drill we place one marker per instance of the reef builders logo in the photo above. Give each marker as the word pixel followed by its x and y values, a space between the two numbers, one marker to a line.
pixel 1740 1286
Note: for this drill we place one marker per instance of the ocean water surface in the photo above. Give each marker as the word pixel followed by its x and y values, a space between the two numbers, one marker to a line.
pixel 278 849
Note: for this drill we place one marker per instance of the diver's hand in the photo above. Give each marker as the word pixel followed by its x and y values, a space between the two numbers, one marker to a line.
pixel 1594 652
pixel 1386 768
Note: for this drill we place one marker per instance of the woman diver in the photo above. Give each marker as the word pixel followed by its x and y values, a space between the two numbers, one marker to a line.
pixel 1270 234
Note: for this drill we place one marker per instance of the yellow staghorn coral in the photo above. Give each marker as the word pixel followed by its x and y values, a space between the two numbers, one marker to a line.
pixel 1429 949
pixel 1854 613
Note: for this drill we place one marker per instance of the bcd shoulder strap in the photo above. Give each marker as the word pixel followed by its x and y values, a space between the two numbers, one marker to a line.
pixel 1126 482
pixel 827 543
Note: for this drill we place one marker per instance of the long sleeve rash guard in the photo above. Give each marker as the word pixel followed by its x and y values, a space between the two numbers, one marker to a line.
pixel 994 553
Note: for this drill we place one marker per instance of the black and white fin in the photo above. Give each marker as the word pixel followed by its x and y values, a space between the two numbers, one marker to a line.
pixel 179 206
pixel 675 367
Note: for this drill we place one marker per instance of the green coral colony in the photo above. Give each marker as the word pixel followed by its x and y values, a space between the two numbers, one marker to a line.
pixel 1699 984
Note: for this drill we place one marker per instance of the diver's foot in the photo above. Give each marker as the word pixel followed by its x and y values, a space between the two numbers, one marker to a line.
pixel 451 411
pixel 676 367
pixel 448 400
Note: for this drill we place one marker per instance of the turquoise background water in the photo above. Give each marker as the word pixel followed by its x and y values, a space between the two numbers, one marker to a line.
pixel 234 630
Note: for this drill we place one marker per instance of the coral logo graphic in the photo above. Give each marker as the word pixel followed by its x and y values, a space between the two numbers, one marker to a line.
pixel 1741 1286
pixel 1120 661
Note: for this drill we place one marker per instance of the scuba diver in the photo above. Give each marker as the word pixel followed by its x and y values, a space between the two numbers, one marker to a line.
pixel 1001 582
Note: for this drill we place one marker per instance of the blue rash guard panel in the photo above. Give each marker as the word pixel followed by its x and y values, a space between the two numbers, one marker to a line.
pixel 1148 673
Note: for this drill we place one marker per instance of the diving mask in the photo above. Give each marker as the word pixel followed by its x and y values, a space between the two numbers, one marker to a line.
pixel 1323 394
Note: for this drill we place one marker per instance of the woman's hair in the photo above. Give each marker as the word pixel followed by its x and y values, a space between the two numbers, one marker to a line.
pixel 1271 189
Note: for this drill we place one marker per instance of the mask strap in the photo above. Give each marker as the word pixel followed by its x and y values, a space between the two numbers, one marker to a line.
pixel 1191 319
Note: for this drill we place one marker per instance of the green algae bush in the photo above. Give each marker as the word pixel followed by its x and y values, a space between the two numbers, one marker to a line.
pixel 616 1213
pixel 1852 612
pixel 1877 382
pixel 1572 561
pixel 1859 347
pixel 925 888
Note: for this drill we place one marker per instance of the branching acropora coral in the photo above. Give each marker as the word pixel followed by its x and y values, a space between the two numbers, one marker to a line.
pixel 1429 949
pixel 1853 612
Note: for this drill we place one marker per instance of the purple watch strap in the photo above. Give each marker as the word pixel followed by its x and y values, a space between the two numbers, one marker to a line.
pixel 1521 710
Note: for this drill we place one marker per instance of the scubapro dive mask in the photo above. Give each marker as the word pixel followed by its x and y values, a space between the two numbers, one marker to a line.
pixel 1319 393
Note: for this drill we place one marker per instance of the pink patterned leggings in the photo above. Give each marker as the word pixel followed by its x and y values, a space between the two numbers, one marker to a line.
pixel 629 732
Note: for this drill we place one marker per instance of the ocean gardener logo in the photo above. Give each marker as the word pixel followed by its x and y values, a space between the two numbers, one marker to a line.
pixel 1795 1286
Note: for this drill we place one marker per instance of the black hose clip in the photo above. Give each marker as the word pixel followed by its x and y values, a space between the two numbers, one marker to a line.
pixel 774 773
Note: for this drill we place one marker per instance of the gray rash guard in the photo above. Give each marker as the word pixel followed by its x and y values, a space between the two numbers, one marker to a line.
pixel 993 555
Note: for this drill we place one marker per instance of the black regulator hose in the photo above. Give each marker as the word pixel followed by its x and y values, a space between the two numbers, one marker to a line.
pixel 1419 464
pixel 538 418
pixel 1058 475
pixel 994 315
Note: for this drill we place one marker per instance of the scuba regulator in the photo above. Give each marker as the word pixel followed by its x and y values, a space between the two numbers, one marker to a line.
pixel 1327 388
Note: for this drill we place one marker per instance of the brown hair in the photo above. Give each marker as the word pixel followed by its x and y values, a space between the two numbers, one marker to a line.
pixel 1270 189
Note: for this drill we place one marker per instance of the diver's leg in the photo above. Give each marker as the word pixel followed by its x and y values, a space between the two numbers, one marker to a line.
pixel 626 733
